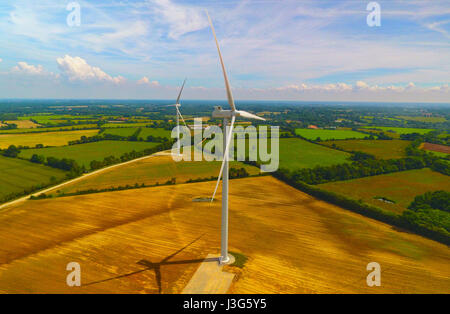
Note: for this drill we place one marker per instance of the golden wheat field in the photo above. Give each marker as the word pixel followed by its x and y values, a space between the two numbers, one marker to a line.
pixel 45 138
pixel 24 124
pixel 294 243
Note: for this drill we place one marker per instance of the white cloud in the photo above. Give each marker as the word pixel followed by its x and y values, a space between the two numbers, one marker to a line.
pixel 1 60
pixel 359 86
pixel 265 44
pixel 29 69
pixel 410 86
pixel 77 69
pixel 145 81
pixel 337 87
pixel 443 88
pixel 181 19
pixel 125 36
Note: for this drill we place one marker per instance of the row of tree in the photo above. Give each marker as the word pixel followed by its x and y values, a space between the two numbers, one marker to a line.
pixel 29 190
pixel 434 137
pixel 430 210
pixel 103 136
pixel 432 225
pixel 172 181
pixel 357 169
pixel 234 173
pixel 66 164
pixel 9 126
pixel 432 200
pixel 432 161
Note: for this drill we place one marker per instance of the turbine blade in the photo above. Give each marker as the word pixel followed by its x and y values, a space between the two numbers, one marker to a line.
pixel 249 115
pixel 225 76
pixel 181 90
pixel 225 155
pixel 181 116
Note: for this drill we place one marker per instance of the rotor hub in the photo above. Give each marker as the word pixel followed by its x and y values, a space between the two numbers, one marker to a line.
pixel 222 114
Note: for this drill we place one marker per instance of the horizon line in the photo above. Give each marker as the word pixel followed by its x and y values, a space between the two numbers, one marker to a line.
pixel 224 100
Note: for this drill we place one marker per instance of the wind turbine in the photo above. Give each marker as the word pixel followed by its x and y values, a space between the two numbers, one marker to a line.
pixel 177 106
pixel 226 115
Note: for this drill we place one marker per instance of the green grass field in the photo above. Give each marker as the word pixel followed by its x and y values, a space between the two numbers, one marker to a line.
pixel 296 153
pixel 49 119
pixel 145 132
pixel 120 131
pixel 125 125
pixel 400 130
pixel 313 134
pixel 52 119
pixel 384 149
pixel 400 187
pixel 423 119
pixel 438 154
pixel 46 138
pixel 18 175
pixel 85 153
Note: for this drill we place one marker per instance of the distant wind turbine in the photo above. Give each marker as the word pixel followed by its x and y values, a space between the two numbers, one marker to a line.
pixel 226 115
pixel 177 106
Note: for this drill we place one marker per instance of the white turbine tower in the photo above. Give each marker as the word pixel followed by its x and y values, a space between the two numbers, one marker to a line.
pixel 226 115
pixel 177 107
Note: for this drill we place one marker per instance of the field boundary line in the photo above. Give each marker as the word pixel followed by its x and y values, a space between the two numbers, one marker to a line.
pixel 26 197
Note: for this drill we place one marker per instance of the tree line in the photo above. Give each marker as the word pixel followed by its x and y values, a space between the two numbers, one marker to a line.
pixel 234 173
pixel 431 211
pixel 357 169
pixel 418 222
pixel 115 137
pixel 434 137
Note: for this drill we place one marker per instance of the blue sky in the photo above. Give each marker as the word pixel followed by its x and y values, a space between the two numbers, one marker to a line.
pixel 273 49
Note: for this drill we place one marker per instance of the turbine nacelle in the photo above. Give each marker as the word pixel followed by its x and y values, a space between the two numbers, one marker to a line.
pixel 220 113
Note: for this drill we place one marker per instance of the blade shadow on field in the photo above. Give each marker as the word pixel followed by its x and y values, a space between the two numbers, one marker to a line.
pixel 157 266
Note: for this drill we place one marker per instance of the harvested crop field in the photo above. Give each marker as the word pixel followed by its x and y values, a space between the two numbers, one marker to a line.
pixel 293 242
pixel 45 138
pixel 51 129
pixel 375 132
pixel 436 148
pixel 384 149
pixel 155 169
pixel 400 187
pixel 24 124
